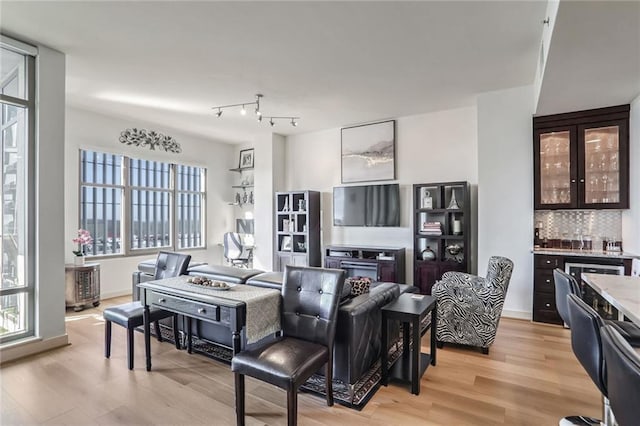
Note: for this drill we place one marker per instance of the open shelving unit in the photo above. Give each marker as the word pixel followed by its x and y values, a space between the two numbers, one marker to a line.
pixel 297 229
pixel 244 195
pixel 454 225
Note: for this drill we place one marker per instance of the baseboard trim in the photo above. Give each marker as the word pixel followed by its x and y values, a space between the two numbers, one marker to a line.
pixel 524 315
pixel 113 294
pixel 13 351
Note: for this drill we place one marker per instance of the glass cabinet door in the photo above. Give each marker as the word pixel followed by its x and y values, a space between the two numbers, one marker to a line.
pixel 601 165
pixel 556 169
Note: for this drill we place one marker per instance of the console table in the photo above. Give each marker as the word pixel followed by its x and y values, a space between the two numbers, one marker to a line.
pixel 205 304
pixel 378 263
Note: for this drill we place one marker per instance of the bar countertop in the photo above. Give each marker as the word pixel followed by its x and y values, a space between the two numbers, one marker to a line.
pixel 585 253
pixel 623 292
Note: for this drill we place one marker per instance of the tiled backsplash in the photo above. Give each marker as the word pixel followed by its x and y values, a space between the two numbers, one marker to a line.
pixel 598 225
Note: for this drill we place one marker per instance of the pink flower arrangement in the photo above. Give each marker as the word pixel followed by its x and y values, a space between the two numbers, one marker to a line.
pixel 83 238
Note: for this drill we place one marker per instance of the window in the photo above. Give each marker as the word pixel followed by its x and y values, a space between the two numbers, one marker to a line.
pixel 151 207
pixel 190 194
pixel 17 112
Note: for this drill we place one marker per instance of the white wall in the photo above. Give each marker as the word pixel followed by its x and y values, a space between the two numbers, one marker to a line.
pixel 88 130
pixel 631 217
pixel 435 147
pixel 269 178
pixel 50 190
pixel 505 190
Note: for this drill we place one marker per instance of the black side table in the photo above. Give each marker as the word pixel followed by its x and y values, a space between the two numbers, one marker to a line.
pixel 410 310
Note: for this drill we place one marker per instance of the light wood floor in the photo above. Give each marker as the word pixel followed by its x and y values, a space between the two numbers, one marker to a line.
pixel 530 378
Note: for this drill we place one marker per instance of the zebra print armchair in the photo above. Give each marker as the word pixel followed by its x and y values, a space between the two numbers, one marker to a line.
pixel 469 307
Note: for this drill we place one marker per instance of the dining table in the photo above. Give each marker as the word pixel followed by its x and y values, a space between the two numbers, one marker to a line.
pixel 621 291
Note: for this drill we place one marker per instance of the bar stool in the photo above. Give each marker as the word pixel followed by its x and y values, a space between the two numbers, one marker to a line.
pixel 130 315
pixel 565 285
pixel 623 376
pixel 587 347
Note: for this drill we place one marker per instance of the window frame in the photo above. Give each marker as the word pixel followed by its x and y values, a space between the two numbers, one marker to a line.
pixel 126 209
pixel 29 106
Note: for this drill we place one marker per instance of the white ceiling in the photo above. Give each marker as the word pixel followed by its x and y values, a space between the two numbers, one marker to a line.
pixel 594 57
pixel 332 63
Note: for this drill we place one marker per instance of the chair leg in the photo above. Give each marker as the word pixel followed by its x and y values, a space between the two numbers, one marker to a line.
pixel 176 332
pixel 107 339
pixel 485 351
pixel 329 383
pixel 239 378
pixel 130 347
pixel 156 324
pixel 292 407
pixel 440 344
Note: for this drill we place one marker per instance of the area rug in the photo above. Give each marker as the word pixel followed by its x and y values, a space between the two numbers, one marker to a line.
pixel 355 396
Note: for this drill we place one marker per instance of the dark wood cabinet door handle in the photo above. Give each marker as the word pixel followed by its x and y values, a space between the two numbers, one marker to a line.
pixel 547 305
pixel 548 281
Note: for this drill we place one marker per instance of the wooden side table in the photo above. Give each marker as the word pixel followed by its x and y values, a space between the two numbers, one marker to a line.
pixel 410 309
pixel 82 286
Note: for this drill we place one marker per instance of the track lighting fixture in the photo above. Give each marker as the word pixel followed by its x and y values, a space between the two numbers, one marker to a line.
pixel 292 120
pixel 257 111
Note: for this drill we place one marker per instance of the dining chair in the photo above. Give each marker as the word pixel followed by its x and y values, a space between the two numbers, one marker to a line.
pixel 130 315
pixel 309 314
pixel 635 267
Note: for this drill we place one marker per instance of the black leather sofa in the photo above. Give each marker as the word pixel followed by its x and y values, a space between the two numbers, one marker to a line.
pixel 358 333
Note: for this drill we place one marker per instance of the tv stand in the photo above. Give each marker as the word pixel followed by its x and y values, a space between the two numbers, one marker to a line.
pixel 379 263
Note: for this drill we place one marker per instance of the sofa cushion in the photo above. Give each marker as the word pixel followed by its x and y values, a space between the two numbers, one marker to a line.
pixel 224 273
pixel 359 285
pixel 267 280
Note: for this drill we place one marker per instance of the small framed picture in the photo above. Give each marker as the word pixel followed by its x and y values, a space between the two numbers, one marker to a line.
pixel 286 243
pixel 246 159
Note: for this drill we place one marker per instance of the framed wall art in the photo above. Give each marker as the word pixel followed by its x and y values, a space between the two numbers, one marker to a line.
pixel 246 159
pixel 368 152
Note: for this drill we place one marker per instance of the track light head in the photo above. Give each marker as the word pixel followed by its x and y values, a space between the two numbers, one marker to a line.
pixel 271 122
pixel 260 118
pixel 243 111
pixel 294 123
pixel 219 113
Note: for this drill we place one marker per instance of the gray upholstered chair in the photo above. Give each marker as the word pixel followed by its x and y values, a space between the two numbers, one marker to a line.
pixel 623 376
pixel 469 307
pixel 130 315
pixel 310 298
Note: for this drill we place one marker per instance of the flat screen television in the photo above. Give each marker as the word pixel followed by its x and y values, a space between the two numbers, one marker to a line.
pixel 367 205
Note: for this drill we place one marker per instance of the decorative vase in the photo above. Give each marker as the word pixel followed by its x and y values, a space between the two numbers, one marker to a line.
pixel 427 200
pixel 428 254
pixel 453 204
pixel 78 260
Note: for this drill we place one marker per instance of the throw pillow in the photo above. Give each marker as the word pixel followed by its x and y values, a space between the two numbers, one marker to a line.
pixel 359 285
